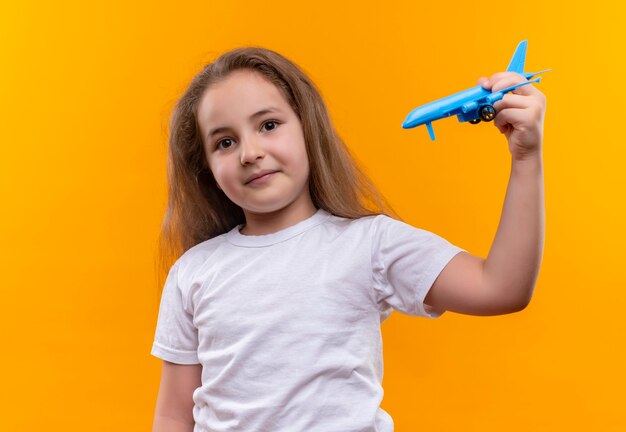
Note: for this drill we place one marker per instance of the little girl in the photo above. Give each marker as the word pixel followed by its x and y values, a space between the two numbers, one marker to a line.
pixel 288 259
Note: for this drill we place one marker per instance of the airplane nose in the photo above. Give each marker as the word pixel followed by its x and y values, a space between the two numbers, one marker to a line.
pixel 415 118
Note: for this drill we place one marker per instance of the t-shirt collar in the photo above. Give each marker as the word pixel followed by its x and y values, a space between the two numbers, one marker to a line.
pixel 235 237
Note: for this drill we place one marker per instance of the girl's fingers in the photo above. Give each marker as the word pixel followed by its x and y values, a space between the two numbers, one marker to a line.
pixel 512 79
pixel 509 82
pixel 512 116
pixel 534 103
pixel 506 75
pixel 502 80
pixel 482 81
pixel 512 100
pixel 506 79
pixel 523 97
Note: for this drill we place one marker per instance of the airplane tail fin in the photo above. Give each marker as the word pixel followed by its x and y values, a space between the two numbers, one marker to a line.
pixel 519 57
pixel 431 131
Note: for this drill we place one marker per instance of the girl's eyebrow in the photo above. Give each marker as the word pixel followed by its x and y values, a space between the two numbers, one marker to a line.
pixel 252 117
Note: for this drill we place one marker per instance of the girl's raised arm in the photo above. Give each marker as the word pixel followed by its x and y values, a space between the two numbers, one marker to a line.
pixel 504 282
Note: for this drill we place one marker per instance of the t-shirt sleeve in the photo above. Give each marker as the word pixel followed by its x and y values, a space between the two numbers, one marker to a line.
pixel 405 263
pixel 176 337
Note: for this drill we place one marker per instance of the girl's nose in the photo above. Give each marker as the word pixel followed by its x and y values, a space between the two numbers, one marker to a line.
pixel 251 150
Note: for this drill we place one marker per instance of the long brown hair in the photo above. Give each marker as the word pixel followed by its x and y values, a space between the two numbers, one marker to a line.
pixel 198 210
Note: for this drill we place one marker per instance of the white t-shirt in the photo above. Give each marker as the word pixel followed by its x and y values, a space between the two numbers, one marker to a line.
pixel 287 325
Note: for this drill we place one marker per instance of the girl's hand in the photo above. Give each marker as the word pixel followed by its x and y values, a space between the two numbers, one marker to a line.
pixel 519 114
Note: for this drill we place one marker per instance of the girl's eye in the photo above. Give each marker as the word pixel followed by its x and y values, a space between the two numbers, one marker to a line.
pixel 225 140
pixel 272 122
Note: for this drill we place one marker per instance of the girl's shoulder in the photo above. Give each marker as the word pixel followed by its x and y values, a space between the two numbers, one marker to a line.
pixel 388 226
pixel 372 221
pixel 371 225
pixel 200 253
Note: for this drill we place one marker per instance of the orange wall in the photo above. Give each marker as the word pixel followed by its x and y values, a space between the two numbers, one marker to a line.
pixel 86 92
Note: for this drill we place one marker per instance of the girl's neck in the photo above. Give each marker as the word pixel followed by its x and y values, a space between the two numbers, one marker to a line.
pixel 268 223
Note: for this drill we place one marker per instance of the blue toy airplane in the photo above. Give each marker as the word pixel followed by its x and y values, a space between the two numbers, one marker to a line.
pixel 472 105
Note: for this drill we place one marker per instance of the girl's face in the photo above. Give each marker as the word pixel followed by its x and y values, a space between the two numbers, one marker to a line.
pixel 249 129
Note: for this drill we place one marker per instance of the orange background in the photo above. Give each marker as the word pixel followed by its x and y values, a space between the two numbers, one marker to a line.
pixel 87 89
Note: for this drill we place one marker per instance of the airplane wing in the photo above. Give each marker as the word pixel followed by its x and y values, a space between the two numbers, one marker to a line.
pixel 508 89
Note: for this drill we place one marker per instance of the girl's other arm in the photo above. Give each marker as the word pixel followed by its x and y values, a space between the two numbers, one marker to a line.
pixel 504 282
pixel 174 407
